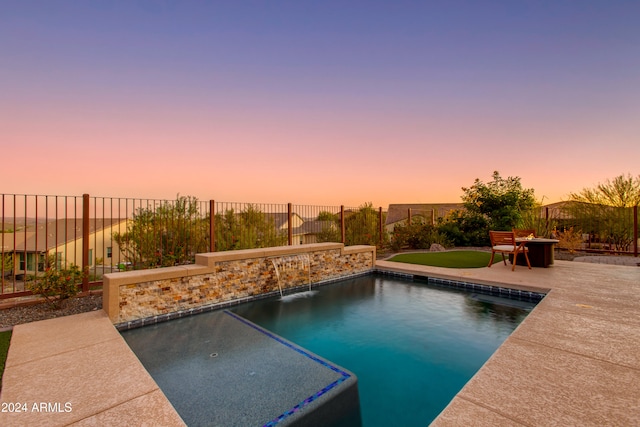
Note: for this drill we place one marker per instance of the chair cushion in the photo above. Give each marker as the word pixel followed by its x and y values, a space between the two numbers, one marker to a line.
pixel 505 248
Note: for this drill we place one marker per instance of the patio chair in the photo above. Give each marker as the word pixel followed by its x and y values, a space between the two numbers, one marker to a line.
pixel 504 242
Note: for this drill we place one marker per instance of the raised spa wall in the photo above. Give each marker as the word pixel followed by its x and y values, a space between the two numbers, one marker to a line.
pixel 220 277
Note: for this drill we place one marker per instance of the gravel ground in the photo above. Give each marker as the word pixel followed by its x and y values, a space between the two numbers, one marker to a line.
pixel 30 313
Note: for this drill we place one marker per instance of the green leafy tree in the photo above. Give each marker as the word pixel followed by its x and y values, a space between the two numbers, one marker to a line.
pixel 330 231
pixel 623 191
pixel 502 202
pixel 362 227
pixel 328 216
pixel 464 228
pixel 165 235
pixel 227 231
pixel 248 229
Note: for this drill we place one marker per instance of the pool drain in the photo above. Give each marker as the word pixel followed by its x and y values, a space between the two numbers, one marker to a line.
pixel 213 355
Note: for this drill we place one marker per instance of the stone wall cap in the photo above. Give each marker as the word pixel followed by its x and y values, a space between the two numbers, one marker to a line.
pixel 209 259
pixel 138 276
pixel 359 248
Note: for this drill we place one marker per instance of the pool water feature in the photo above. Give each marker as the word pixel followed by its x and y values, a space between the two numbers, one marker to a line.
pixel 283 264
pixel 411 345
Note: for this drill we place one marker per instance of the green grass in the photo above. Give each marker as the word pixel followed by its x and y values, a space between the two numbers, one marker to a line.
pixel 5 337
pixel 450 259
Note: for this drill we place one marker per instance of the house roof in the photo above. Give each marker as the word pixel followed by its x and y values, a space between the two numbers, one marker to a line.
pixel 314 226
pixel 280 219
pixel 307 226
pixel 568 209
pixel 400 212
pixel 43 236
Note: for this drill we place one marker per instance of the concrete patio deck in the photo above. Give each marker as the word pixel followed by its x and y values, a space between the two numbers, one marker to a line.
pixel 78 370
pixel 575 360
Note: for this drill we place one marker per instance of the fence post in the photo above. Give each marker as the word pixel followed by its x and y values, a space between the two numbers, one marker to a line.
pixel 380 224
pixel 85 243
pixel 290 226
pixel 546 217
pixel 635 230
pixel 409 216
pixel 212 226
pixel 342 226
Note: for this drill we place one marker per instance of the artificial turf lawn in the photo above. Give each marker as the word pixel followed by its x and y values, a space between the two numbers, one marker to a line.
pixel 449 259
pixel 5 337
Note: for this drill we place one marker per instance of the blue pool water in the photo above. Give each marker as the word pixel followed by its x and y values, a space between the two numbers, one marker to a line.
pixel 412 346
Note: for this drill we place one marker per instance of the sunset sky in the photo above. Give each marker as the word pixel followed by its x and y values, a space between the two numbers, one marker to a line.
pixel 316 102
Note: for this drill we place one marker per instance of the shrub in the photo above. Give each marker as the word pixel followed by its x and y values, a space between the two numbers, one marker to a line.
pixel 417 235
pixel 399 237
pixel 464 228
pixel 56 285
pixel 329 233
pixel 570 239
pixel 502 201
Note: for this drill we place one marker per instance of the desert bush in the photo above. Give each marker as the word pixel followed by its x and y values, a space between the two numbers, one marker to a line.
pixel 417 235
pixel 56 285
pixel 168 234
pixel 570 239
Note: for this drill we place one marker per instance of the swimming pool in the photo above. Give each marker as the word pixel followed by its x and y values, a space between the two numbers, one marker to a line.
pixel 411 345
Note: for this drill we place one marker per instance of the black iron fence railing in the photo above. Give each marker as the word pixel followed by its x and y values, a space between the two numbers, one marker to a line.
pixel 107 234
pixel 591 228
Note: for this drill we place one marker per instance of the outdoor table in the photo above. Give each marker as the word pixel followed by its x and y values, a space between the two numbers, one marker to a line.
pixel 540 251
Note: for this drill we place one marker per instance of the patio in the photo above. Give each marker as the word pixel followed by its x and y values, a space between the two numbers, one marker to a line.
pixel 575 360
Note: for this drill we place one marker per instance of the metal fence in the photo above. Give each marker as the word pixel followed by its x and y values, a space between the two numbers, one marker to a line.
pixel 107 234
pixel 590 228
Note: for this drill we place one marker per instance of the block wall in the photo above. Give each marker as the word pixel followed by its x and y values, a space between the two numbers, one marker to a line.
pixel 228 276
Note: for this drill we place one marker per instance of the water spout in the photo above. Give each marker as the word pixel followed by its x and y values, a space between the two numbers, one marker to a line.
pixel 289 263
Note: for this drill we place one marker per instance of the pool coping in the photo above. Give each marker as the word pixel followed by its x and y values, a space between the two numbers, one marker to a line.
pixel 575 360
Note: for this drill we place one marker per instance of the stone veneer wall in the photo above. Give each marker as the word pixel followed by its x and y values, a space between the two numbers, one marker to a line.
pixel 226 276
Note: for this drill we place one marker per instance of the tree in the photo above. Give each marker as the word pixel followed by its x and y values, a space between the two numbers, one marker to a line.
pixel 622 192
pixel 165 235
pixel 248 229
pixel 605 212
pixel 464 228
pixel 328 216
pixel 330 227
pixel 362 227
pixel 502 202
